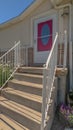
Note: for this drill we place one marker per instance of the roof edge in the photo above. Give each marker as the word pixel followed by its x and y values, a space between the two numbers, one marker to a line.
pixel 21 16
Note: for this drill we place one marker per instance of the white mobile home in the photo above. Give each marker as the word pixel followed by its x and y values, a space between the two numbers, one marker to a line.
pixel 45 32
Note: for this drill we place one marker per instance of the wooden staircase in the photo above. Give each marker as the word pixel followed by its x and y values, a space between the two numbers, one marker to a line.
pixel 21 101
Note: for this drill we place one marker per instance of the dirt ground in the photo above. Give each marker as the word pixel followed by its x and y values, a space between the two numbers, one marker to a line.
pixel 57 124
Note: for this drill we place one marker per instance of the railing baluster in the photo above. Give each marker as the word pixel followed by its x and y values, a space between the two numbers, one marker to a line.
pixel 19 55
pixel 44 99
pixel 65 51
pixel 5 69
pixel 2 70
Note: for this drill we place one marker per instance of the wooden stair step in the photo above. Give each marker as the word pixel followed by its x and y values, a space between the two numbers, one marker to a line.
pixel 32 70
pixel 21 108
pixel 6 123
pixel 32 97
pixel 29 77
pixel 4 126
pixel 30 100
pixel 24 115
pixel 26 86
pixel 25 83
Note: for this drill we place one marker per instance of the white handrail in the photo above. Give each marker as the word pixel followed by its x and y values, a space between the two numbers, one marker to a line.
pixel 49 57
pixel 10 49
pixel 9 63
pixel 48 80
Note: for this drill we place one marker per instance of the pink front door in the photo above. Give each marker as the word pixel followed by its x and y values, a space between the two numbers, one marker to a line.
pixel 44 36
pixel 44 33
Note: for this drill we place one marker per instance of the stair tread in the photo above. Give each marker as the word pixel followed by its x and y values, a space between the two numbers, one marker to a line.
pixel 7 123
pixel 29 75
pixel 26 83
pixel 21 109
pixel 29 96
pixel 38 68
pixel 4 126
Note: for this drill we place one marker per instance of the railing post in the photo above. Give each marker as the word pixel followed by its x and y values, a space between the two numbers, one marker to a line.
pixel 15 59
pixel 26 56
pixel 65 50
pixel 56 50
pixel 19 52
pixel 44 98
pixel 70 61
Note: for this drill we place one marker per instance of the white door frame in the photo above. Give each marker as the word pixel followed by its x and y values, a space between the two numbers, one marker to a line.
pixel 41 57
